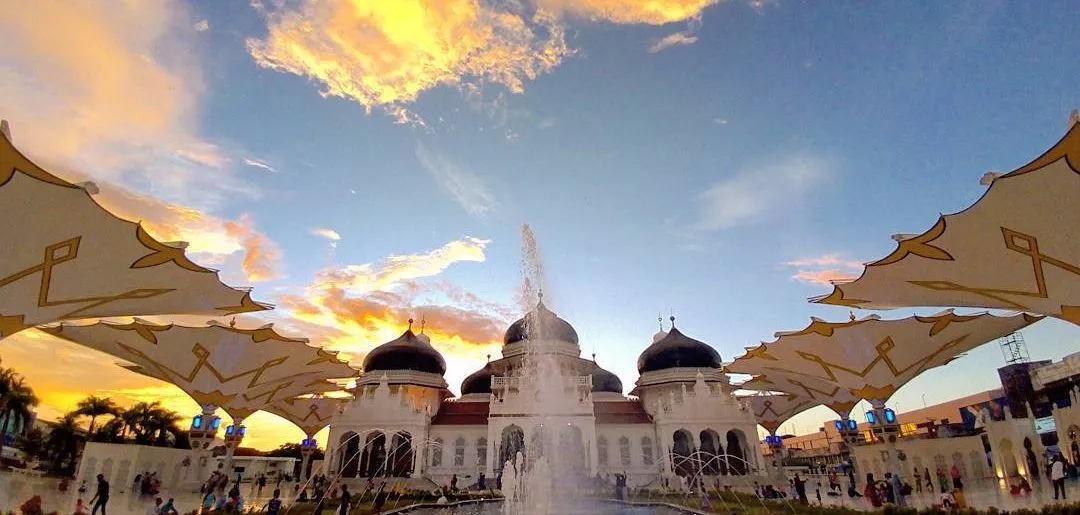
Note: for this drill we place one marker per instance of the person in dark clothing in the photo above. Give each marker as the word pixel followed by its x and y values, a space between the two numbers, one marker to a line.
pixel 480 482
pixel 274 506
pixel 380 498
pixel 101 498
pixel 926 477
pixel 800 490
pixel 453 483
pixel 345 498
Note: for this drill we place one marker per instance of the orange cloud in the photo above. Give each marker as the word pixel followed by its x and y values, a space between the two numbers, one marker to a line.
pixel 396 269
pixel 384 54
pixel 825 269
pixel 652 12
pixel 261 255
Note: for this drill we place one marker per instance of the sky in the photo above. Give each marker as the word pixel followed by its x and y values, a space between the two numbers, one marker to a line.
pixel 363 162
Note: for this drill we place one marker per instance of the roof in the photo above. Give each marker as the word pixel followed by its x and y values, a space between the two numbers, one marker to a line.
pixel 461 414
pixel 620 412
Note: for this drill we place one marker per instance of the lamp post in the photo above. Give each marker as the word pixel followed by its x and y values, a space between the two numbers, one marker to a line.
pixel 204 428
pixel 776 449
pixel 307 448
pixel 234 435
pixel 884 424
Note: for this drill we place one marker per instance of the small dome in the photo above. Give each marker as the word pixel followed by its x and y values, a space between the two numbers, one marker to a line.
pixel 478 382
pixel 658 336
pixel 605 381
pixel 407 352
pixel 676 350
pixel 540 324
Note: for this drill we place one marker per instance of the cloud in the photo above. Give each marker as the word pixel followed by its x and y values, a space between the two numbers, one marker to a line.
pixel 384 54
pixel 467 188
pixel 261 256
pixel 678 38
pixel 825 269
pixel 255 163
pixel 393 270
pixel 113 92
pixel 211 240
pixel 758 192
pixel 329 234
pixel 653 12
pixel 202 26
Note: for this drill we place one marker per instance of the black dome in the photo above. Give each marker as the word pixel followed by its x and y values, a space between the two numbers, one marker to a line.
pixel 541 323
pixel 478 382
pixel 407 352
pixel 677 350
pixel 604 381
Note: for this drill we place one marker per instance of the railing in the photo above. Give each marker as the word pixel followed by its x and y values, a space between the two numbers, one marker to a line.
pixel 517 382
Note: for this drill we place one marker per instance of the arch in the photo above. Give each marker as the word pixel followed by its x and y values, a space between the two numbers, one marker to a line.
pixel 602 450
pixel 940 464
pixel 978 470
pixel 89 470
pixel 106 469
pixel 511 442
pixel 647 451
pixel 571 449
pixel 459 452
pixel 373 462
pixel 736 445
pixel 437 453
pixel 539 444
pixel 177 475
pixel 1008 458
pixel 624 451
pixel 401 454
pixel 682 449
pixel 123 476
pixel 712 452
pixel 481 452
pixel 958 462
pixel 349 445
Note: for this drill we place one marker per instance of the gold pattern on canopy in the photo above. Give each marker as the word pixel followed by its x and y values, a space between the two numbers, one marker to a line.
pixel 772 410
pixel 238 370
pixel 872 358
pixel 310 414
pixel 830 394
pixel 64 257
pixel 1016 248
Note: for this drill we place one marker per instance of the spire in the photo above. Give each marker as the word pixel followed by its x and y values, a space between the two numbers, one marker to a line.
pixel 660 320
pixel 410 323
pixel 672 318
pixel 423 323
pixel 1074 118
pixel 851 315
pixel 232 323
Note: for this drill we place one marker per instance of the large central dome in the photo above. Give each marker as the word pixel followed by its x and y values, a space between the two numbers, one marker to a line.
pixel 676 350
pixel 409 351
pixel 540 324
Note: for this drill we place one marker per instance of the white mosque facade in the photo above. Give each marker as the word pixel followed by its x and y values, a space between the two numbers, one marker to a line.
pixel 680 419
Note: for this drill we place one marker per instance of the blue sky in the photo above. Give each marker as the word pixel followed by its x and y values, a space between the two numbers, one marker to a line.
pixel 681 181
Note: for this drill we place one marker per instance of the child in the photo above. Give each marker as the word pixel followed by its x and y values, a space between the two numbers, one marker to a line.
pixel 80 508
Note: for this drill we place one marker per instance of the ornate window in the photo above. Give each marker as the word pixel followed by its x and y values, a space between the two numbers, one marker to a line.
pixel 459 452
pixel 624 451
pixel 436 453
pixel 601 450
pixel 646 450
pixel 481 452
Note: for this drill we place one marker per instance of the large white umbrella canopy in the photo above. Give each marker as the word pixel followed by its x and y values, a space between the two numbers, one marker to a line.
pixel 871 357
pixel 64 257
pixel 1017 248
pixel 310 414
pixel 835 397
pixel 773 409
pixel 238 370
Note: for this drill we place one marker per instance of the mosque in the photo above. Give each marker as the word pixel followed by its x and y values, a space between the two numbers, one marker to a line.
pixel 681 417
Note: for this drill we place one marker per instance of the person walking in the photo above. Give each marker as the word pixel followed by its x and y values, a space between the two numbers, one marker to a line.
pixel 346 497
pixel 926 476
pixel 1057 477
pixel 955 473
pixel 800 489
pixel 101 497
pixel 918 483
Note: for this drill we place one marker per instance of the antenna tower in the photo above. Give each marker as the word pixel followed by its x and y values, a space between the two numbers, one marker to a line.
pixel 1013 348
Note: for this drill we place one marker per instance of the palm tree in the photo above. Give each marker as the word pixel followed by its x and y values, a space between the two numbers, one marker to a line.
pixel 16 401
pixel 95 407
pixel 33 443
pixel 62 444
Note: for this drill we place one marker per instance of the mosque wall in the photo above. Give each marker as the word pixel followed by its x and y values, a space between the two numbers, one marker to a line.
pixel 966 452
pixel 457 449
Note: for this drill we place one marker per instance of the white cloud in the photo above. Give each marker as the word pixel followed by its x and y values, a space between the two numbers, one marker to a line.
pixel 329 234
pixel 758 192
pixel 202 26
pixel 257 163
pixel 670 40
pixel 467 188
pixel 825 269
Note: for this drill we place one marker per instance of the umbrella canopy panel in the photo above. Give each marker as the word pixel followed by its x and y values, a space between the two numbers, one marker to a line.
pixel 310 414
pixel 1017 248
pixel 772 410
pixel 837 398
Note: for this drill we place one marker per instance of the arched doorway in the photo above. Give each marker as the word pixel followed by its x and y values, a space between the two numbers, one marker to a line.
pixel 572 449
pixel 737 457
pixel 511 442
pixel 681 450
pixel 401 455
pixel 349 444
pixel 711 452
pixel 1008 458
pixel 539 444
pixel 374 457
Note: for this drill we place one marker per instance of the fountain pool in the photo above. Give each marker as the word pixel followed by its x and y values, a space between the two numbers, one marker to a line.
pixel 577 508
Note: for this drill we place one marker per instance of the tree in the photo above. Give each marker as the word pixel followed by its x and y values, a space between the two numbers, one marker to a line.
pixel 16 401
pixel 62 444
pixel 33 443
pixel 95 407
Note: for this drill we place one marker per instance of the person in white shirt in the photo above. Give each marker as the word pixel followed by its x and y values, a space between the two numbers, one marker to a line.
pixel 154 508
pixel 1057 476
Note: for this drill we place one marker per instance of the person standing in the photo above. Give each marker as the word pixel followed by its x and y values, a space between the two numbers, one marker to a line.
pixel 897 490
pixel 481 481
pixel 345 499
pixel 1057 477
pixel 453 483
pixel 101 497
pixel 926 476
pixel 274 505
pixel 955 473
pixel 154 508
pixel 918 483
pixel 800 489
